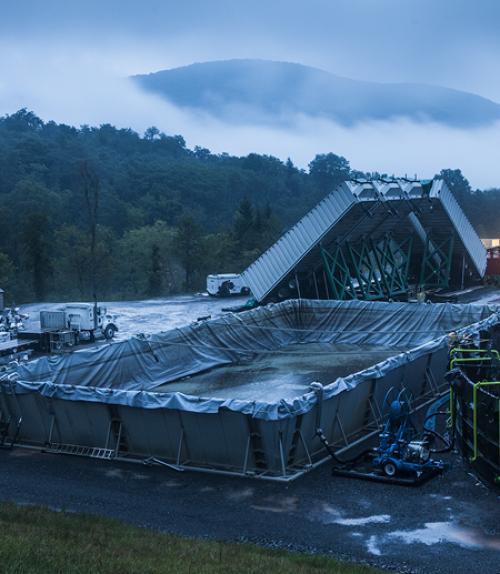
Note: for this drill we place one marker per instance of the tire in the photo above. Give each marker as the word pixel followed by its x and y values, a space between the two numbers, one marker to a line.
pixel 224 290
pixel 109 332
pixel 389 469
pixel 245 291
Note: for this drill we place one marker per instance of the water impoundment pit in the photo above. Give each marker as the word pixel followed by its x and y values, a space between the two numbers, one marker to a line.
pixel 234 394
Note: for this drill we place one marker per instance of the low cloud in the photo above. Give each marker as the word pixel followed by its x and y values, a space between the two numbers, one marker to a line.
pixel 87 88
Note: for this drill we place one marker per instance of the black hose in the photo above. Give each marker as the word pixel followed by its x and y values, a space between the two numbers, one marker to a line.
pixel 329 449
pixel 449 443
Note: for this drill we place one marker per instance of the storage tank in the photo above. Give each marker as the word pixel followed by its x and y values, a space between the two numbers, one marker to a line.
pixel 53 320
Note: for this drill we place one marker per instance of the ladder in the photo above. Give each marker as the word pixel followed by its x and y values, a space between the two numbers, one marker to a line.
pixel 79 450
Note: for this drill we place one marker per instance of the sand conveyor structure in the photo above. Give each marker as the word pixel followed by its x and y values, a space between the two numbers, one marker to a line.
pixel 372 240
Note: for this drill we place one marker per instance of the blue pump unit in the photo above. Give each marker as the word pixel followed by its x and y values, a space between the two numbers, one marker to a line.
pixel 403 456
pixel 400 450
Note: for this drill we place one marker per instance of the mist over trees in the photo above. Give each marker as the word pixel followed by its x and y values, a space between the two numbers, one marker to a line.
pixel 146 216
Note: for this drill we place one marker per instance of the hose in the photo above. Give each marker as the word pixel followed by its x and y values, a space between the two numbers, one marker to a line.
pixel 319 432
pixel 449 443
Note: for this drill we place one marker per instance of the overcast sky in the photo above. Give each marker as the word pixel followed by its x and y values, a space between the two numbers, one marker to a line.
pixel 66 60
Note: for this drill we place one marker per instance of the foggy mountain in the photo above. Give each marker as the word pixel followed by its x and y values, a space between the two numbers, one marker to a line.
pixel 272 92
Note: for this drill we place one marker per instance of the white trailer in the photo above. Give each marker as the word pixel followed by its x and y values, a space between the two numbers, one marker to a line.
pixel 226 284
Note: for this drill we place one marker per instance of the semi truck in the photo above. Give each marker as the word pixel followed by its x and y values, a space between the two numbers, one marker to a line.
pixel 87 320
pixel 66 326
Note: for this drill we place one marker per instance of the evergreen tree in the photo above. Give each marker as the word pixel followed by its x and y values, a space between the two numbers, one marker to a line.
pixel 155 278
pixel 244 222
pixel 188 248
pixel 6 272
pixel 36 253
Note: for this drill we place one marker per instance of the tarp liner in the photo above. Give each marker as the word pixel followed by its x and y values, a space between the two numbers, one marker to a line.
pixel 128 372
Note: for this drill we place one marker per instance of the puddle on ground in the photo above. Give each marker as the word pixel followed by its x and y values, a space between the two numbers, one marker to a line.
pixel 278 506
pixel 377 519
pixel 435 533
pixel 439 532
pixel 329 515
pixel 372 546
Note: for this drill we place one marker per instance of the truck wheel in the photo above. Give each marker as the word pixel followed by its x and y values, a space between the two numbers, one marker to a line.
pixel 109 332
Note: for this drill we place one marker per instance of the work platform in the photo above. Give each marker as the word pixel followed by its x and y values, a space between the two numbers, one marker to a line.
pixel 372 240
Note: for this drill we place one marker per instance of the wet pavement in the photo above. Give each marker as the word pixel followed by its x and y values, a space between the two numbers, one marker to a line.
pixel 153 315
pixel 449 525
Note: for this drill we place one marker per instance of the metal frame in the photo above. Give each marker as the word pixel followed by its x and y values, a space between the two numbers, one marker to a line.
pixel 394 262
pixel 436 263
pixel 475 431
pixel 338 274
pixel 366 272
pixel 485 355
pixel 364 208
pixel 380 267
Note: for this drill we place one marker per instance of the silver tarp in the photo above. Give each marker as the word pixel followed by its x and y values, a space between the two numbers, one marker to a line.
pixel 128 372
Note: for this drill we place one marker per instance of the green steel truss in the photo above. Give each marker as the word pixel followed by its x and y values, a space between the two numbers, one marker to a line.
pixel 338 274
pixel 394 260
pixel 368 270
pixel 436 263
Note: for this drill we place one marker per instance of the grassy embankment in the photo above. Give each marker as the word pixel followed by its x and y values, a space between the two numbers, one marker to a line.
pixel 36 540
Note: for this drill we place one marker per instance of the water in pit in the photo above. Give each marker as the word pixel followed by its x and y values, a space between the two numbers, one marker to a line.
pixel 283 374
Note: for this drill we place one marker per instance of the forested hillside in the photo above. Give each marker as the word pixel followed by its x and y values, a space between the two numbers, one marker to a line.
pixel 164 215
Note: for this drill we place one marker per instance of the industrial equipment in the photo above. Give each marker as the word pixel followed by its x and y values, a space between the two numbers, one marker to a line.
pixel 12 348
pixel 475 401
pixel 373 240
pixel 12 320
pixel 226 284
pixel 403 456
pixel 493 266
pixel 66 326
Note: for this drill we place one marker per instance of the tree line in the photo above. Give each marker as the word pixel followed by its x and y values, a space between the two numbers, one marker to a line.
pixel 129 216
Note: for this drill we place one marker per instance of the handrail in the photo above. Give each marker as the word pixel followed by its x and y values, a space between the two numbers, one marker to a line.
pixel 456 350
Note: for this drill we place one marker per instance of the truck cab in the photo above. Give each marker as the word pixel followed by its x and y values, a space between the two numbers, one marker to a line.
pixel 80 318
